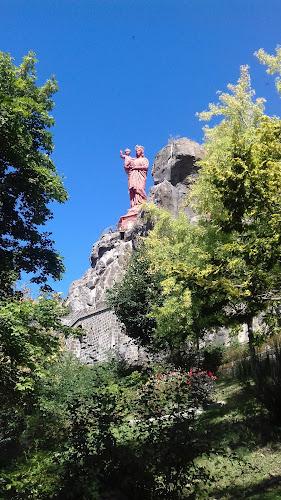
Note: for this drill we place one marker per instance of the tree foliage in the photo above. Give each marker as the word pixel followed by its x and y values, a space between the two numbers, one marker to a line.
pixel 239 184
pixel 30 341
pixel 273 63
pixel 181 254
pixel 133 297
pixel 113 431
pixel 29 330
pixel 28 177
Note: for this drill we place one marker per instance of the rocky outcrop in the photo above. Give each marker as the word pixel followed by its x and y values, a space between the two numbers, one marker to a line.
pixel 176 162
pixel 175 167
pixel 107 259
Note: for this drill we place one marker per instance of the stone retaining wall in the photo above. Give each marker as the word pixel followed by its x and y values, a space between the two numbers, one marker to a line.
pixel 102 336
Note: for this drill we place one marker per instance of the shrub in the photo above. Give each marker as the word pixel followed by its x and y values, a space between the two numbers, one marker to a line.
pixel 36 477
pixel 82 442
pixel 176 391
pixel 213 357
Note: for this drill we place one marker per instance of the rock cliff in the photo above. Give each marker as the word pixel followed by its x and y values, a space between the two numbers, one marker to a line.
pixel 174 168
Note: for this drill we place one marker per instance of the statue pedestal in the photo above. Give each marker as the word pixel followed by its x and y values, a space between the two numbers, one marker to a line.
pixel 128 221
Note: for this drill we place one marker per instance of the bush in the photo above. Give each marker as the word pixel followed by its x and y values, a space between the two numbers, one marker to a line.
pixel 36 477
pixel 176 391
pixel 151 457
pixel 96 433
pixel 213 357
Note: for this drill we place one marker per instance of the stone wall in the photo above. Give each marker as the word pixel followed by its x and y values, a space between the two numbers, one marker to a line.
pixel 102 337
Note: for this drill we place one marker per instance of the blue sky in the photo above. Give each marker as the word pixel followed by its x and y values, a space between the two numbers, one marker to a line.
pixel 130 72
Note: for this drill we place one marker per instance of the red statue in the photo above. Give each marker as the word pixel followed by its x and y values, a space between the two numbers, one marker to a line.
pixel 136 168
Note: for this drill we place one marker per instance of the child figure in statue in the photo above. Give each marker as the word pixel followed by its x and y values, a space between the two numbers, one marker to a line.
pixel 127 165
pixel 127 158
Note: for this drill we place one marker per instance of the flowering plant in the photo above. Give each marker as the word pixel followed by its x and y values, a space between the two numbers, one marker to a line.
pixel 177 391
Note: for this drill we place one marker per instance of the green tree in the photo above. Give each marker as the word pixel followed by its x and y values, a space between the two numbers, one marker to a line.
pixel 29 182
pixel 28 177
pixel 162 299
pixel 273 63
pixel 30 341
pixel 239 185
pixel 133 297
pixel 181 256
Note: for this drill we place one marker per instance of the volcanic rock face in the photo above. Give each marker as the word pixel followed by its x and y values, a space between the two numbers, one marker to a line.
pixel 108 258
pixel 176 162
pixel 173 170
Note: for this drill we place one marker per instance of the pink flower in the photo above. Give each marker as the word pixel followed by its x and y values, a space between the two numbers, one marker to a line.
pixel 159 409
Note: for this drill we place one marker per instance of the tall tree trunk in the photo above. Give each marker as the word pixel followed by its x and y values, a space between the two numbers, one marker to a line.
pixel 251 338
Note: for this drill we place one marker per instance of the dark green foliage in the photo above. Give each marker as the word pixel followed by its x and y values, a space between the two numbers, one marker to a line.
pixel 88 458
pixel 90 436
pixel 104 452
pixel 265 371
pixel 149 456
pixel 29 329
pixel 133 298
pixel 28 177
pixel 213 357
pixel 30 343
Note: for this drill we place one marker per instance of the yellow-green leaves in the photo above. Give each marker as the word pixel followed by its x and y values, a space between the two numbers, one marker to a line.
pixel 238 107
pixel 273 63
pixel 227 268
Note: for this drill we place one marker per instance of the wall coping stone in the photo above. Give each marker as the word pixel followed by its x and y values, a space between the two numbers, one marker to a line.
pixel 77 316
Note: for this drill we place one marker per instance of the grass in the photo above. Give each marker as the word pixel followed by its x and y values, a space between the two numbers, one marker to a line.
pixel 241 447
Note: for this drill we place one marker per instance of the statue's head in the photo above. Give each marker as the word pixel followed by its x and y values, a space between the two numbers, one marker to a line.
pixel 127 151
pixel 139 151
